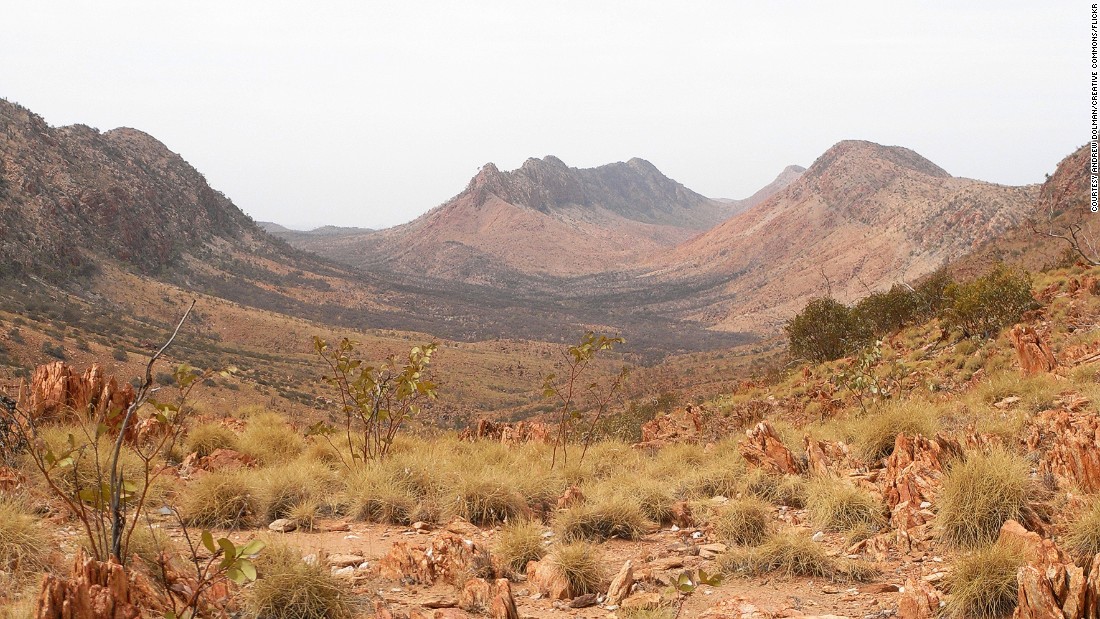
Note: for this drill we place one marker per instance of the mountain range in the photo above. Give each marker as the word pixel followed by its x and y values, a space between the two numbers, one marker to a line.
pixel 536 252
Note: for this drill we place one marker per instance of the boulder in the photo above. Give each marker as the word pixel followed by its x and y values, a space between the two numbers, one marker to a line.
pixel 448 558
pixel 548 579
pixel 480 595
pixel 920 601
pixel 621 584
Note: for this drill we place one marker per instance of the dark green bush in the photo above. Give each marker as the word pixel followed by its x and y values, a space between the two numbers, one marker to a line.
pixel 990 303
pixel 825 330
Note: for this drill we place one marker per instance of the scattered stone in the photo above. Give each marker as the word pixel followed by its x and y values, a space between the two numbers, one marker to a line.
pixel 818 537
pixel 583 601
pixel 621 584
pixel 642 601
pixel 283 525
pixel 344 560
pixel 448 558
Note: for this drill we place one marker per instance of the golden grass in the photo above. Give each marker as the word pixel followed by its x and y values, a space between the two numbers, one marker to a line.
pixel 280 488
pixel 791 554
pixel 602 518
pixel 221 499
pixel 486 498
pixel 582 566
pixel 270 440
pixel 837 505
pixel 982 583
pixel 980 493
pixel 744 522
pixel 204 438
pixel 789 490
pixel 518 542
pixel 875 433
pixel 24 543
pixel 289 588
pixel 1083 539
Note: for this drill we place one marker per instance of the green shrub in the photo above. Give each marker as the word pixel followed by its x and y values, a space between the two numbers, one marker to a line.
pixel 990 303
pixel 825 330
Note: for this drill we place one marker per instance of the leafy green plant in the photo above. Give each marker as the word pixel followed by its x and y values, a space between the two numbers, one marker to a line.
pixel 824 330
pixel 569 388
pixel 376 400
pixel 990 303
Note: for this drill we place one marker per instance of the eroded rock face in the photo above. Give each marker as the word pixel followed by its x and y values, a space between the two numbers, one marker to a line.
pixel 495 597
pixel 913 474
pixel 764 449
pixel 449 558
pixel 1032 350
pixel 1070 442
pixel 97 590
pixel 679 426
pixel 509 433
pixel 58 392
pixel 1050 586
pixel 826 457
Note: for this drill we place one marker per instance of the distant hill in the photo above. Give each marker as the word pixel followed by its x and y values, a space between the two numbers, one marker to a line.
pixel 862 217
pixel 1063 203
pixel 293 236
pixel 543 219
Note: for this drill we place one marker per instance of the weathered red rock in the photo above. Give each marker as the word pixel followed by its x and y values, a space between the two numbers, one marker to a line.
pixel 548 580
pixel 509 433
pixel 1069 443
pixel 920 601
pixel 58 392
pixel 97 590
pixel 480 595
pixel 1032 351
pixel 679 426
pixel 913 473
pixel 764 449
pixel 621 584
pixel 448 558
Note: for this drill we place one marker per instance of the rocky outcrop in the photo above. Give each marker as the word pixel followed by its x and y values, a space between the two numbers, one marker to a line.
pixel 58 392
pixel 764 449
pixel 680 426
pixel 97 590
pixel 826 457
pixel 508 433
pixel 218 460
pixel 545 577
pixel 1050 586
pixel 913 473
pixel 1032 351
pixel 1069 441
pixel 449 558
pixel 920 601
pixel 494 598
pixel 621 584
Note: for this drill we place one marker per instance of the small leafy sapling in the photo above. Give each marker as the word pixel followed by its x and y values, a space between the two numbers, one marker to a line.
pixel 570 390
pixel 376 400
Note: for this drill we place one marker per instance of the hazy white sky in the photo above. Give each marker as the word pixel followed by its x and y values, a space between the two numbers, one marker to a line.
pixel 370 113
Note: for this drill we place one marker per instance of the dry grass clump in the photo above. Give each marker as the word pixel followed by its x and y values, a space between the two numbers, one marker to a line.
pixel 655 498
pixel 222 500
pixel 270 439
pixel 204 438
pixel 982 583
pixel 876 432
pixel 980 493
pixel 744 522
pixel 148 543
pixel 289 588
pixel 836 505
pixel 518 542
pixel 281 488
pixel 1083 539
pixel 484 498
pixel 378 498
pixel 24 543
pixel 601 519
pixel 581 564
pixel 791 554
pixel 305 514
pixel 789 490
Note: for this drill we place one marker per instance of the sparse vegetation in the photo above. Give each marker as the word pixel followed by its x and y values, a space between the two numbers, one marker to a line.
pixel 744 522
pixel 602 518
pixel 221 499
pixel 518 542
pixel 837 505
pixel 982 492
pixel 791 554
pixel 23 540
pixel 289 588
pixel 983 583
pixel 580 563
pixel 1084 532
pixel 204 438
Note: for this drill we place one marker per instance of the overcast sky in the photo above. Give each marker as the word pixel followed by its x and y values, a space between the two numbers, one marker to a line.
pixel 369 113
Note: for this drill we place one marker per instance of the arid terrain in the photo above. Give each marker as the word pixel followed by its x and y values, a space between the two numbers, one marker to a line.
pixel 869 390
